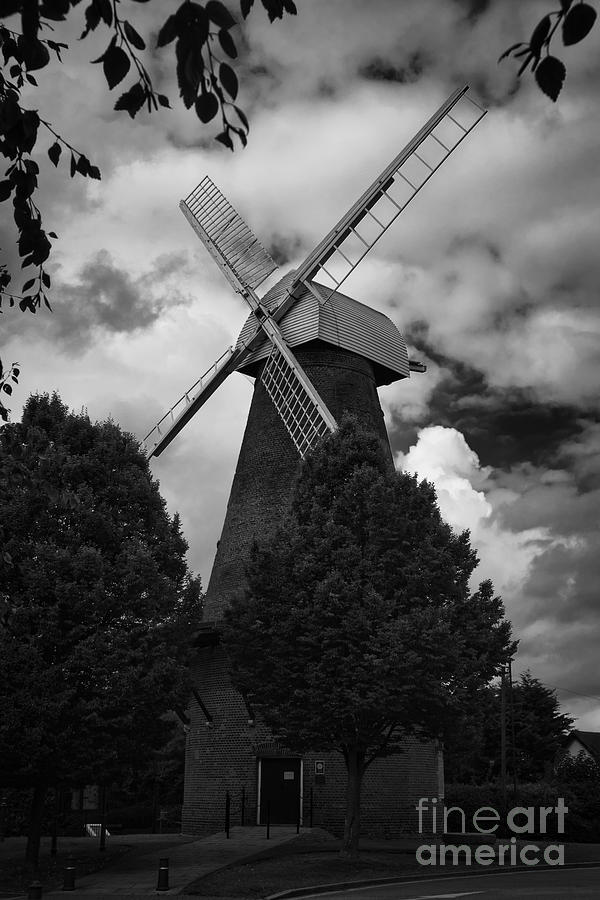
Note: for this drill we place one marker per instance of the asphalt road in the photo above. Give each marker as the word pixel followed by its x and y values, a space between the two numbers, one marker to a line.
pixel 583 884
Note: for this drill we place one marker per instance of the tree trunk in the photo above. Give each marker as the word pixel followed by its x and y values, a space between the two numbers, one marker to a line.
pixel 36 816
pixel 355 766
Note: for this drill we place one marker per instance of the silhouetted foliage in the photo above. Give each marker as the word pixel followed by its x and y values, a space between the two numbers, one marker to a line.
pixel 472 752
pixel 575 21
pixel 99 605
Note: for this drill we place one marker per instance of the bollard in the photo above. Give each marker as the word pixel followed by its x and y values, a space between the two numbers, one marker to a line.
pixel 163 874
pixel 268 819
pixel 227 813
pixel 35 891
pixel 311 807
pixel 69 875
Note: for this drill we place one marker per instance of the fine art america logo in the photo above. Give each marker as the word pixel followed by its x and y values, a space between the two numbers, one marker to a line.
pixel 521 820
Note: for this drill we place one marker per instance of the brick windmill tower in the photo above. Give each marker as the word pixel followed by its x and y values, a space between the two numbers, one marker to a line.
pixel 314 353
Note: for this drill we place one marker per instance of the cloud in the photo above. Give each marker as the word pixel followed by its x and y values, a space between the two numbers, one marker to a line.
pixel 106 299
pixel 536 533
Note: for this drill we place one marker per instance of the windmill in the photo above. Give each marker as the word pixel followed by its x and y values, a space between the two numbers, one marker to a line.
pixel 314 353
pixel 246 264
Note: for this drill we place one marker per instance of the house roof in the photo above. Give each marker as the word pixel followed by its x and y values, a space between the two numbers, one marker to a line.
pixel 342 322
pixel 589 739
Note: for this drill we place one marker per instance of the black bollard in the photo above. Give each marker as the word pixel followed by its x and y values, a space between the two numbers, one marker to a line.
pixel 69 875
pixel 227 813
pixel 35 891
pixel 268 819
pixel 163 874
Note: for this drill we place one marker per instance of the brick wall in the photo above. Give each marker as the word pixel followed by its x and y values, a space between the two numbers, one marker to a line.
pixel 223 755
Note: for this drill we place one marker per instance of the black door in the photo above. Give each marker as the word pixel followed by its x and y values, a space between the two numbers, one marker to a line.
pixel 280 789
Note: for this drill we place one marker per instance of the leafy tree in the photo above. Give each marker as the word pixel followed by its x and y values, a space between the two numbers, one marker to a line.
pixel 578 769
pixel 358 628
pixel 473 752
pixel 98 603
pixel 576 21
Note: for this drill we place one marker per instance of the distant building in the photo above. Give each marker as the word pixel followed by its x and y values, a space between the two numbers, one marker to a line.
pixel 586 742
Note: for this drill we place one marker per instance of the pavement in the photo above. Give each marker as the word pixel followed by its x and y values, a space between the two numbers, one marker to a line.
pixel 135 875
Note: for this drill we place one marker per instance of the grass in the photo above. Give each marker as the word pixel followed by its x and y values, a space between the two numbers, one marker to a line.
pixel 265 876
pixel 14 877
pixel 314 860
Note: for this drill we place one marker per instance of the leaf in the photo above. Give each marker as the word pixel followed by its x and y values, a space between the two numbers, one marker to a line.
pixel 219 14
pixel 46 279
pixel 35 54
pixel 93 172
pixel 54 152
pixel 28 285
pixel 92 20
pixel 290 7
pixel 242 118
pixel 31 79
pixel 578 23
pixel 73 165
pixel 228 79
pixel 164 101
pixel 224 138
pixel 550 75
pixel 113 43
pixel 246 6
pixel 509 50
pixel 526 62
pixel 116 65
pixel 83 165
pixel 227 43
pixel 104 7
pixel 132 100
pixel 52 234
pixel 7 388
pixel 168 32
pixel 207 106
pixel 540 33
pixel 5 190
pixel 133 37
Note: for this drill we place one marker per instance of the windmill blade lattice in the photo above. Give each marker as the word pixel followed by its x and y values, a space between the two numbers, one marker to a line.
pixel 339 253
pixel 236 250
pixel 301 413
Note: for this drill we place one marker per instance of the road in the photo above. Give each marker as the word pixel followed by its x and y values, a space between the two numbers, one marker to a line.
pixel 580 883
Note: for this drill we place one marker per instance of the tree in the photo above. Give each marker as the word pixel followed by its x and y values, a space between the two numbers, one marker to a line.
pixel 358 628
pixel 576 21
pixel 99 604
pixel 473 753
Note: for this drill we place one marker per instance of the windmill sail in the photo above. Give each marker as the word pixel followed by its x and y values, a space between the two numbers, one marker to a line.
pixel 159 437
pixel 238 253
pixel 246 264
pixel 340 251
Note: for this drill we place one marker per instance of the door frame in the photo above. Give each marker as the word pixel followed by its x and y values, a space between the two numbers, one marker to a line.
pixel 259 784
